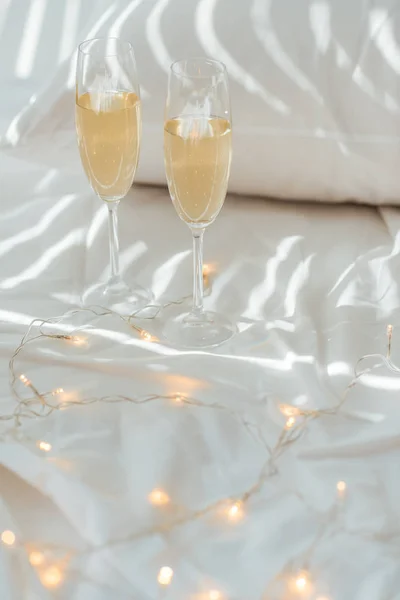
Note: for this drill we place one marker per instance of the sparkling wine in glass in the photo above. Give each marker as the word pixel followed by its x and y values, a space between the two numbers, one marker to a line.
pixel 108 125
pixel 197 153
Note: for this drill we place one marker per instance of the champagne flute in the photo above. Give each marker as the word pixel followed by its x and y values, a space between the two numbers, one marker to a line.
pixel 108 125
pixel 197 153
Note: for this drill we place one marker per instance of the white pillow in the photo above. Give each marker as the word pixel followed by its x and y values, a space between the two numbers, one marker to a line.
pixel 314 86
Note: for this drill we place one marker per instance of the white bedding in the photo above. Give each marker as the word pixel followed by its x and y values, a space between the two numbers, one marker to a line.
pixel 312 289
pixel 314 85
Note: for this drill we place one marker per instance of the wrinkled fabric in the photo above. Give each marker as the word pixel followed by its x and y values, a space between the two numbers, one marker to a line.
pixel 312 288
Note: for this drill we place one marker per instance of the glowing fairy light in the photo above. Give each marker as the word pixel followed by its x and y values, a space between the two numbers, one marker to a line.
pixel 158 497
pixel 341 488
pixel 57 391
pixel 146 336
pixel 44 446
pixel 74 339
pixel 36 558
pixel 214 595
pixel 24 379
pixel 234 512
pixel 8 538
pixel 51 577
pixel 288 411
pixel 179 399
pixel 165 576
pixel 209 595
pixel 290 422
pixel 300 584
pixel 208 269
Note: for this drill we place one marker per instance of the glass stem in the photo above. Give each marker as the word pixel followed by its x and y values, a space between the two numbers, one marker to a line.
pixel 198 235
pixel 114 243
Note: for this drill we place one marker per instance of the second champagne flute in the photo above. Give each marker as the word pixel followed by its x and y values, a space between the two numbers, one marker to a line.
pixel 197 152
pixel 108 125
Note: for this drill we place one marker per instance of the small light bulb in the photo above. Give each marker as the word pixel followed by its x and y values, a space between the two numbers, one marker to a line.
pixel 78 341
pixel 36 558
pixel 158 497
pixel 341 488
pixel 8 537
pixel 235 511
pixel 389 330
pixel 178 399
pixel 301 582
pixel 288 411
pixel 215 595
pixel 24 379
pixel 208 269
pixel 165 576
pixel 51 577
pixel 57 391
pixel 44 446
pixel 146 336
pixel 290 422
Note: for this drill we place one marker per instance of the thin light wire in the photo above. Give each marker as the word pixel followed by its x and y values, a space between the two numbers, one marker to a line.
pixel 41 405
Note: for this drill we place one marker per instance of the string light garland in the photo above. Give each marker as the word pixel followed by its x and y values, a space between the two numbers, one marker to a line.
pixel 42 404
pixel 150 312
pixel 296 583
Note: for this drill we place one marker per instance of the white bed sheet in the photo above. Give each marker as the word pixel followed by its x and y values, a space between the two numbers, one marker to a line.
pixel 312 288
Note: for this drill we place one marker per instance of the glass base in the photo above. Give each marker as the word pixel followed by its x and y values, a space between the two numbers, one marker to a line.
pixel 187 330
pixel 119 297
